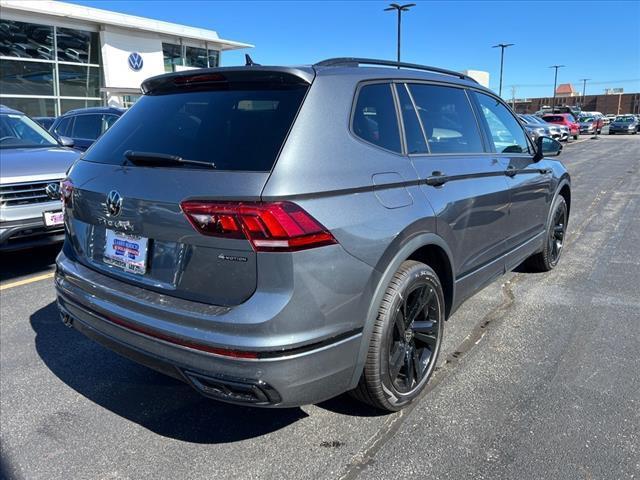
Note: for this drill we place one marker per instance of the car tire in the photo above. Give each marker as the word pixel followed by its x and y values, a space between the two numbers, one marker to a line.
pixel 575 137
pixel 402 354
pixel 612 133
pixel 549 257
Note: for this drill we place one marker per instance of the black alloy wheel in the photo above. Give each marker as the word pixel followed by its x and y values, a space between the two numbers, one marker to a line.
pixel 406 339
pixel 555 238
pixel 414 339
pixel 557 233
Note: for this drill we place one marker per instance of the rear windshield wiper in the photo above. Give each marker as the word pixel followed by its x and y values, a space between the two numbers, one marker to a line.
pixel 151 158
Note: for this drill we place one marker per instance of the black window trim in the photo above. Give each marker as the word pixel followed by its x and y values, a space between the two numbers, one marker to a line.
pixel 389 82
pixel 403 84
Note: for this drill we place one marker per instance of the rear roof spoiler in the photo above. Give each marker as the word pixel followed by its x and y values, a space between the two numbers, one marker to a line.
pixel 210 77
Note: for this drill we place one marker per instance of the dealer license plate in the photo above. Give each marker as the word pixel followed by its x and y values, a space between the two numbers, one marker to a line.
pixel 128 252
pixel 53 219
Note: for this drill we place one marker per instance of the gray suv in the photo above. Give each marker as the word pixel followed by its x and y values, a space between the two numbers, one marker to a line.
pixel 32 163
pixel 276 236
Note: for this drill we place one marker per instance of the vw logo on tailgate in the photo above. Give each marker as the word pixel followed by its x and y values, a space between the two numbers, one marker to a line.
pixel 114 203
pixel 135 61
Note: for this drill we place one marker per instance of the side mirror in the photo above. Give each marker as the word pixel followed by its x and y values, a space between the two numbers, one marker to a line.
pixel 547 147
pixel 66 141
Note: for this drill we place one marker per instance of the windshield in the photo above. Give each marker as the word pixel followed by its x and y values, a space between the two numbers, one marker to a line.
pixel 624 119
pixel 586 119
pixel 20 131
pixel 553 118
pixel 230 129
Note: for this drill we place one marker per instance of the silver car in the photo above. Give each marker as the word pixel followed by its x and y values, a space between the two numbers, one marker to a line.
pixel 275 236
pixel 32 164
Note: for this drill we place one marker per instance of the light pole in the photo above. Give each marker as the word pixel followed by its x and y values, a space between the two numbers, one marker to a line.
pixel 399 9
pixel 555 83
pixel 502 47
pixel 584 89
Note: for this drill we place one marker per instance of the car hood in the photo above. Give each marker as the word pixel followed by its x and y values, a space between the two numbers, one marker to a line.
pixel 34 164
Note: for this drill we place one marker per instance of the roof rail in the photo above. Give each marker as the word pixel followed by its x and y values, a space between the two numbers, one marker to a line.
pixel 355 62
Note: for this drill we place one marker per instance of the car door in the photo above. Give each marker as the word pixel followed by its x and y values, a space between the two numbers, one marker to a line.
pixel 529 181
pixel 464 184
pixel 86 128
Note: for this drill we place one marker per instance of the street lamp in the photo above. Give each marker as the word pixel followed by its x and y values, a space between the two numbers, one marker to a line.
pixel 584 88
pixel 555 83
pixel 502 47
pixel 399 9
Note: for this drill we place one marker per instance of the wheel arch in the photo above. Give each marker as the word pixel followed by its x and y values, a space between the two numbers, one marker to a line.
pixel 425 247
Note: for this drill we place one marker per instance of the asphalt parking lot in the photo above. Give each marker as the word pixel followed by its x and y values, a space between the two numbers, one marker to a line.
pixel 538 378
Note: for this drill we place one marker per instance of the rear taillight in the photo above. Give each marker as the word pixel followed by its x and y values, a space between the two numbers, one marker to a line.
pixel 66 191
pixel 270 227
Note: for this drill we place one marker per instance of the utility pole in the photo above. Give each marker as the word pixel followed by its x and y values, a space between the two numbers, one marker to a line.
pixel 502 46
pixel 555 83
pixel 513 97
pixel 399 9
pixel 584 88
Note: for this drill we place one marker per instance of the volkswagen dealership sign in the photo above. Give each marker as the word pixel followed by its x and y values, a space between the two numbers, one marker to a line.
pixel 135 61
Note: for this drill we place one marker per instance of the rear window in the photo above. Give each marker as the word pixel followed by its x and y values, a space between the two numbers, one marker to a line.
pixel 234 129
pixel 553 118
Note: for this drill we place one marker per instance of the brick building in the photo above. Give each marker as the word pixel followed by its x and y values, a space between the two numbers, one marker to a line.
pixel 616 104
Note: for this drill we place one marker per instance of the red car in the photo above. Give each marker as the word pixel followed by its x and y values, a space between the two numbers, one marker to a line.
pixel 565 119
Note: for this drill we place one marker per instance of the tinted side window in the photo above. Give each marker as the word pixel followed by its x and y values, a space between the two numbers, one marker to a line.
pixel 506 133
pixel 413 133
pixel 447 118
pixel 87 126
pixel 63 126
pixel 375 119
pixel 107 121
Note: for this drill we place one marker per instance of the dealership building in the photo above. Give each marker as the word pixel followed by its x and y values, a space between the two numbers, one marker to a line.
pixel 57 56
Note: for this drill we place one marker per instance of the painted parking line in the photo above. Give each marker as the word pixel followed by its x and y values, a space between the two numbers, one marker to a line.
pixel 26 281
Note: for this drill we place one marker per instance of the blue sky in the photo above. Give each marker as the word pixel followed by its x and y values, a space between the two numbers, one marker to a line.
pixel 596 40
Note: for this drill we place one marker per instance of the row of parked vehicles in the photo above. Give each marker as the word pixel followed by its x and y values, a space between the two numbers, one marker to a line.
pixel 564 123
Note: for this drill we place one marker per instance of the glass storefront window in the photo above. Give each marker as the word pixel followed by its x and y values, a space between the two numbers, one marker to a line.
pixel 34 107
pixel 79 81
pixel 66 105
pixel 77 46
pixel 214 58
pixel 195 57
pixel 26 78
pixel 26 40
pixel 172 56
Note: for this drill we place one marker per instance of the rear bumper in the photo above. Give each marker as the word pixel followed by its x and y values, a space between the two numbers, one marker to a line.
pixel 282 375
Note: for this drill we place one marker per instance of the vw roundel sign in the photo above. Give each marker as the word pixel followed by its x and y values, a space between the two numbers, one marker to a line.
pixel 135 61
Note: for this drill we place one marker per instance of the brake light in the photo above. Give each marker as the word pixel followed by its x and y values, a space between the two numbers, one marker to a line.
pixel 270 227
pixel 66 191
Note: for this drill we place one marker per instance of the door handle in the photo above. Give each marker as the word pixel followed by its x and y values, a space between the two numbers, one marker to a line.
pixel 436 179
pixel 511 171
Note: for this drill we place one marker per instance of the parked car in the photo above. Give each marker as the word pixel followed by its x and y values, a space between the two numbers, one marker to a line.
pixel 214 234
pixel 624 124
pixel 565 119
pixel 610 118
pixel 45 122
pixel 535 129
pixel 558 132
pixel 85 125
pixel 32 165
pixel 590 124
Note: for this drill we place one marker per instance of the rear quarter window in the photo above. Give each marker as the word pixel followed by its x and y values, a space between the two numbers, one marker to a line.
pixel 236 128
pixel 374 118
